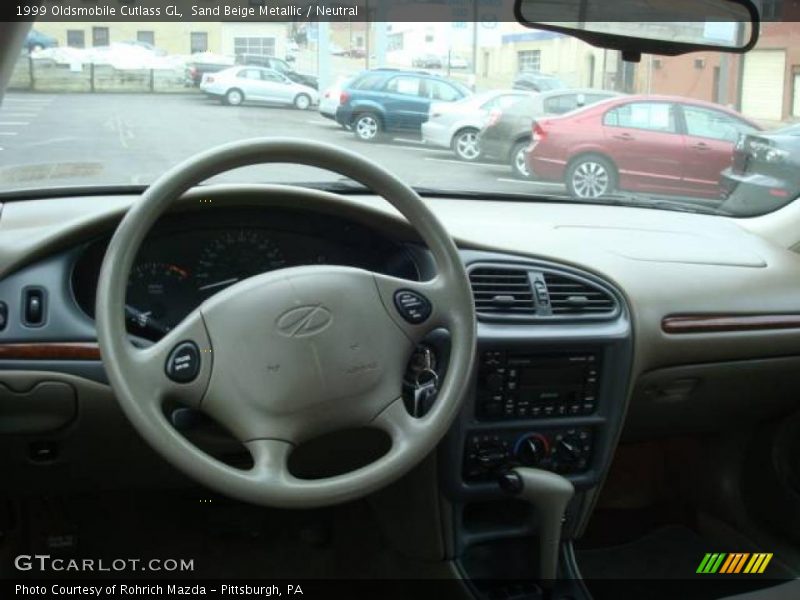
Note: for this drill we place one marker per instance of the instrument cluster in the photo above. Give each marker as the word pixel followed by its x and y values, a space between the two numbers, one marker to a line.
pixel 188 258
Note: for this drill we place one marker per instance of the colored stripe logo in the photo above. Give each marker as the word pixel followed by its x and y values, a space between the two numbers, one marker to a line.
pixel 734 563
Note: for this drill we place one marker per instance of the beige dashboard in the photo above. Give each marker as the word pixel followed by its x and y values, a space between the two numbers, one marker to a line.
pixel 666 264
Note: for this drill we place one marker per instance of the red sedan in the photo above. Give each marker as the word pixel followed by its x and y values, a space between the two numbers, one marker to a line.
pixel 653 144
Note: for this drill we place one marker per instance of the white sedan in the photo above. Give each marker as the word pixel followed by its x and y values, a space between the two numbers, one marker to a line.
pixel 256 84
pixel 455 125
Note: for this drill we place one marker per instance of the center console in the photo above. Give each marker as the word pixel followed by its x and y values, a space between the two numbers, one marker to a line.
pixel 514 386
pixel 550 394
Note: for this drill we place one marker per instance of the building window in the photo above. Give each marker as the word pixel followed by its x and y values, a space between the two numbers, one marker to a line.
pixel 100 36
pixel 262 46
pixel 198 42
pixel 529 60
pixel 146 37
pixel 394 41
pixel 76 38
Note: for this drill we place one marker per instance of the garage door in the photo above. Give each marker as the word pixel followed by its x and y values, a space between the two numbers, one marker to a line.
pixel 762 84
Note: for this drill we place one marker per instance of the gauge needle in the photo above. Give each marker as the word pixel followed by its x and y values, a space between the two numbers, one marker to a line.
pixel 211 286
pixel 144 320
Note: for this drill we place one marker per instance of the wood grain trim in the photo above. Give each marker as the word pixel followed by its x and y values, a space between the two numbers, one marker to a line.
pixel 721 323
pixel 50 351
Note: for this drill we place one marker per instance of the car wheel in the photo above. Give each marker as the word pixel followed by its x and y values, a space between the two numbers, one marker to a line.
pixel 234 97
pixel 465 145
pixel 591 177
pixel 367 127
pixel 518 165
pixel 302 102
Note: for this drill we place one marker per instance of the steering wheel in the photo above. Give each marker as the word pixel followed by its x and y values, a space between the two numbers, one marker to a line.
pixel 289 355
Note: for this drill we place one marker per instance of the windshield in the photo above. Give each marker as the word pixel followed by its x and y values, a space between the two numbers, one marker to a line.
pixel 118 103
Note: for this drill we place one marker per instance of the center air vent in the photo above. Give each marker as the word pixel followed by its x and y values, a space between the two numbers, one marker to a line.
pixel 569 296
pixel 502 290
pixel 539 293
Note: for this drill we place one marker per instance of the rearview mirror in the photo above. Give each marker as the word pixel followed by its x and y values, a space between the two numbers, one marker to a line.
pixel 667 27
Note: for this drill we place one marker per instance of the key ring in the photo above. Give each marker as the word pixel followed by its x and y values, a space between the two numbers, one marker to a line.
pixel 432 379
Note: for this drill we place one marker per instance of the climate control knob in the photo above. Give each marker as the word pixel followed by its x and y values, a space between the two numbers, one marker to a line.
pixel 531 449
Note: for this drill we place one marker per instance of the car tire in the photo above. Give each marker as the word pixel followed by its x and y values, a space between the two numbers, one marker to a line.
pixel 367 127
pixel 465 145
pixel 302 102
pixel 233 97
pixel 519 167
pixel 590 176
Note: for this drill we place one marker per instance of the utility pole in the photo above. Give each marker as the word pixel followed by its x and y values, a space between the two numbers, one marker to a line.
pixel 474 44
pixel 367 30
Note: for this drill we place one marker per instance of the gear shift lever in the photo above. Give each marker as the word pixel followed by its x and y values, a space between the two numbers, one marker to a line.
pixel 549 494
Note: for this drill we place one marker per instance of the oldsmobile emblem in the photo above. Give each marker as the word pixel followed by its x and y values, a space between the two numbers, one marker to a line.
pixel 304 321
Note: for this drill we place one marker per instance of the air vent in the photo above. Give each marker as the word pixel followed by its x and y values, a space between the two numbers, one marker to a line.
pixel 569 296
pixel 499 290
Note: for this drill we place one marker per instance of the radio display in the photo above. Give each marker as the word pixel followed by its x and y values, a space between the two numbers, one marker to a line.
pixel 540 376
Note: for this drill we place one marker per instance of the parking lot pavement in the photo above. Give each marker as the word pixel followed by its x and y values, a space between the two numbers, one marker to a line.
pixel 17 113
pixel 74 139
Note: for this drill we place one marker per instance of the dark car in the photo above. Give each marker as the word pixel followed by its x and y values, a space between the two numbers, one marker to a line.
pixel 428 61
pixel 507 132
pixel 196 69
pixel 534 81
pixel 381 100
pixel 281 66
pixel 764 172
pixel 650 144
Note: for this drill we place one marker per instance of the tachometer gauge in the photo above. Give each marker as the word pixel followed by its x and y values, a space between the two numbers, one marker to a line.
pixel 159 296
pixel 233 256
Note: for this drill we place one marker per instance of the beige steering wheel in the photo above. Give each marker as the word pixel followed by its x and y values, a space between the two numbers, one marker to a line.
pixel 289 355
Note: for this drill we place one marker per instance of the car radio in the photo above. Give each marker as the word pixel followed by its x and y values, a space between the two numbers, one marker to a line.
pixel 531 386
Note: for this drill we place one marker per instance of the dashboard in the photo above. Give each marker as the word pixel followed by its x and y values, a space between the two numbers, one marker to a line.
pixel 553 389
pixel 188 258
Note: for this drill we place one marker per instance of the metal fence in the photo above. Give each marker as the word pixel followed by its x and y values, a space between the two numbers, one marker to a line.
pixel 45 75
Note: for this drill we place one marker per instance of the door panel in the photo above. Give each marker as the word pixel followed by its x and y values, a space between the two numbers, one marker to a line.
pixel 406 102
pixel 276 87
pixel 709 140
pixel 250 82
pixel 643 141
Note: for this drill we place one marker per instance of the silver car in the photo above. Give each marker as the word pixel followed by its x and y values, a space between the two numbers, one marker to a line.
pixel 456 125
pixel 240 84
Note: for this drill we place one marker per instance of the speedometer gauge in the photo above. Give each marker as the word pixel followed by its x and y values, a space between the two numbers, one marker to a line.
pixel 159 295
pixel 234 256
